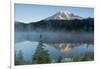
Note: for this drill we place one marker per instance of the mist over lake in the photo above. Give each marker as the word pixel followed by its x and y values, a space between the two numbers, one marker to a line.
pixel 54 36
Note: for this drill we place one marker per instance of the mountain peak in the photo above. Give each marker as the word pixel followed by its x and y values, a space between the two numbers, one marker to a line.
pixel 63 12
pixel 63 15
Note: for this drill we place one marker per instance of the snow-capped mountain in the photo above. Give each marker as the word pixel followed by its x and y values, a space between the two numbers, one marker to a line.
pixel 62 15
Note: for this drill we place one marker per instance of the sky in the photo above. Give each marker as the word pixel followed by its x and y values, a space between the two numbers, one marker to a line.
pixel 31 13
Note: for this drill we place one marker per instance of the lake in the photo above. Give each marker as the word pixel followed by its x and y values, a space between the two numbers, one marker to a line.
pixel 57 43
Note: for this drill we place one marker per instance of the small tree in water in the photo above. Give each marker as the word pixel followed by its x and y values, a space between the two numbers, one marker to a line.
pixel 41 55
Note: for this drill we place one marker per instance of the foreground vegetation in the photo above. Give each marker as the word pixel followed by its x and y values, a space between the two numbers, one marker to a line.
pixel 40 59
pixel 87 56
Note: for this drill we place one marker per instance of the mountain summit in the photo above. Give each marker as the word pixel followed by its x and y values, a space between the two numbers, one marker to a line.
pixel 62 15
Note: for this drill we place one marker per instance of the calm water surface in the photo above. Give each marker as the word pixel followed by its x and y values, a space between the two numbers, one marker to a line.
pixel 27 43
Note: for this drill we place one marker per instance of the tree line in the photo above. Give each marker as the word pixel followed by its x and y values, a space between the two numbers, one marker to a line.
pixel 86 25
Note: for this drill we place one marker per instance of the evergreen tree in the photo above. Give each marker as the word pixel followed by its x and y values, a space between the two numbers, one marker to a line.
pixel 19 58
pixel 16 60
pixel 41 55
